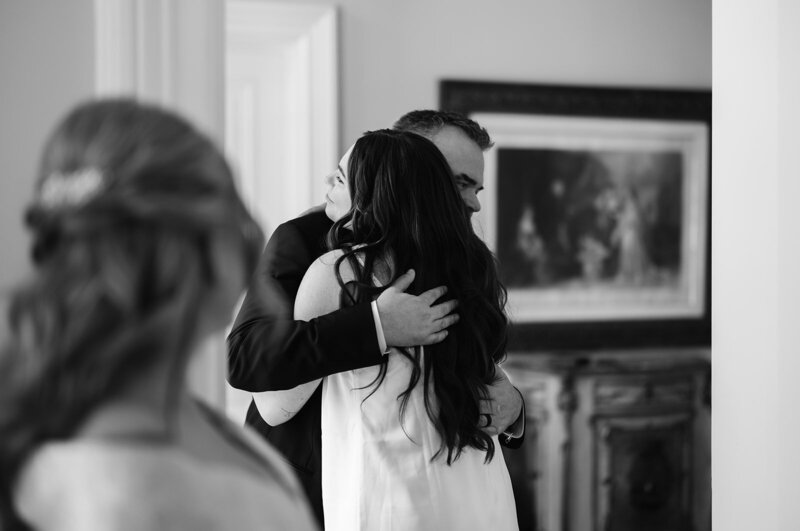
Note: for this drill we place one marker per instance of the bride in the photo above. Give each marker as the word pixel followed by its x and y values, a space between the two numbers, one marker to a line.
pixel 402 447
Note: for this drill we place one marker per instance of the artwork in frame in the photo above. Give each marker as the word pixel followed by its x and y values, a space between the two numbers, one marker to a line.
pixel 597 205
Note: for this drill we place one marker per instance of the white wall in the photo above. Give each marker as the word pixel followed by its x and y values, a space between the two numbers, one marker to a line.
pixel 394 52
pixel 46 65
pixel 756 427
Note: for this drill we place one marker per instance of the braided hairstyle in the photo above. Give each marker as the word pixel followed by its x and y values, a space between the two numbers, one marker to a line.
pixel 129 200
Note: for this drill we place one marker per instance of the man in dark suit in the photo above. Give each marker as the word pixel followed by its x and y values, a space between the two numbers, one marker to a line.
pixel 269 351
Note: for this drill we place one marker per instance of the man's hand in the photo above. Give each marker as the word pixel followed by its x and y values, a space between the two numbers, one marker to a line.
pixel 409 320
pixel 503 407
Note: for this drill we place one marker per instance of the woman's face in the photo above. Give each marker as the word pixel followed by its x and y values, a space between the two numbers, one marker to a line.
pixel 338 200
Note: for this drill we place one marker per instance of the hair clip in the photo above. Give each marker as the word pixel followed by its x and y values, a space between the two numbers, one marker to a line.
pixel 71 189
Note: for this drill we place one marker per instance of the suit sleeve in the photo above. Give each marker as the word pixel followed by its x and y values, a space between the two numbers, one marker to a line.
pixel 510 442
pixel 270 351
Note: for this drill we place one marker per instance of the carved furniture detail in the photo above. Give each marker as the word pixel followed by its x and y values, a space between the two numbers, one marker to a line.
pixel 615 442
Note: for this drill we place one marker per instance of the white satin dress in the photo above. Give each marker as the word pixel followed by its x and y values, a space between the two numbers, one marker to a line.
pixel 377 473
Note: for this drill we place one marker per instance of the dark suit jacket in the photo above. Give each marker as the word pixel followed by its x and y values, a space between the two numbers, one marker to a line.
pixel 268 350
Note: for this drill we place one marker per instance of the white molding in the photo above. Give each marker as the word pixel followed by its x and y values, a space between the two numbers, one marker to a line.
pixel 169 52
pixel 115 50
pixel 324 97
pixel 135 48
pixel 282 64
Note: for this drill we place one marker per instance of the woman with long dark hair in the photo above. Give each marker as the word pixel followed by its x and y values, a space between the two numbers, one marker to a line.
pixel 141 247
pixel 402 446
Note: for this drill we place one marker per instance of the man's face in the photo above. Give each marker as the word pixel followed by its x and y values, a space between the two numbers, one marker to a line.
pixel 466 161
pixel 338 200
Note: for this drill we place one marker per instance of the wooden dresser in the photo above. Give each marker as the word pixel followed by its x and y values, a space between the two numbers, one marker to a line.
pixel 616 441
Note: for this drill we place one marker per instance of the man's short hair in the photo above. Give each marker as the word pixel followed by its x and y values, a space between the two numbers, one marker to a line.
pixel 427 123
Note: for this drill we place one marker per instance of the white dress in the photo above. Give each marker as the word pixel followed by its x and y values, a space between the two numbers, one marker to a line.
pixel 119 485
pixel 377 473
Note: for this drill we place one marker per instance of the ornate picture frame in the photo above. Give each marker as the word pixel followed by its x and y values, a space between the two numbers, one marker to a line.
pixel 597 204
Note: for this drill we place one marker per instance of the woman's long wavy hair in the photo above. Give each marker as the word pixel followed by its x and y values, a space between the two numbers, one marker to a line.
pixel 121 268
pixel 406 208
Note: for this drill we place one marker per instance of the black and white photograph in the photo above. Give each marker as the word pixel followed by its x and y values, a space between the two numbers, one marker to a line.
pixel 380 265
pixel 597 204
pixel 610 220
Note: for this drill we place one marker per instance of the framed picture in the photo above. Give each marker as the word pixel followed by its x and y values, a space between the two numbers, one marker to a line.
pixel 597 205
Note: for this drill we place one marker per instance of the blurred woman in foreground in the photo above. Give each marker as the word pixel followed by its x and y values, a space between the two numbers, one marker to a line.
pixel 141 247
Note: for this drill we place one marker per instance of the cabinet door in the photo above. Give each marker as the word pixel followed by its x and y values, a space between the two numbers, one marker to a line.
pixel 643 473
